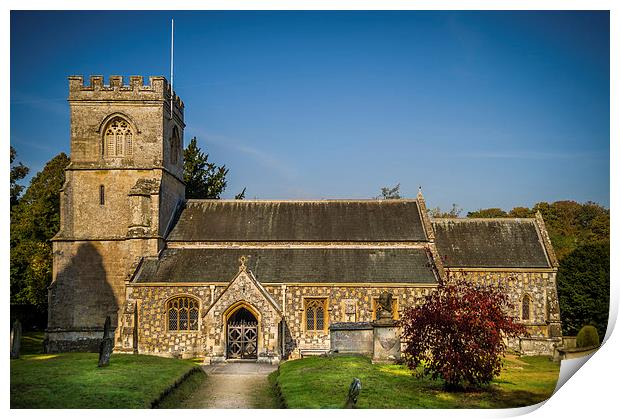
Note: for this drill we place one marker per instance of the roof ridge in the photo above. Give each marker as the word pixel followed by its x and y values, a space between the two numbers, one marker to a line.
pixel 484 219
pixel 300 201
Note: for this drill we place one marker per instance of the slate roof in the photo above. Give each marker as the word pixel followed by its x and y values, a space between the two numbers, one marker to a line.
pixel 489 243
pixel 358 265
pixel 298 221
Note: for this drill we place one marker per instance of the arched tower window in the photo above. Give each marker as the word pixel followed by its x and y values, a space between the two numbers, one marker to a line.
pixel 182 314
pixel 118 138
pixel 526 303
pixel 175 145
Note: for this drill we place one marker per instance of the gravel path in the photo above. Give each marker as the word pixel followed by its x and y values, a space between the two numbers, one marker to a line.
pixel 241 385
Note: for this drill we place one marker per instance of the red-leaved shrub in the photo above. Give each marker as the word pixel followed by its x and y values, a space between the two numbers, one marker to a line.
pixel 458 333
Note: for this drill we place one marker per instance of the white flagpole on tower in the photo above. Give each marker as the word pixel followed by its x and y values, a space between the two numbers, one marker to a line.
pixel 171 67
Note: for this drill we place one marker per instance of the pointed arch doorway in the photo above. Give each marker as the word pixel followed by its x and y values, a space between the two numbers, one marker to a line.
pixel 242 334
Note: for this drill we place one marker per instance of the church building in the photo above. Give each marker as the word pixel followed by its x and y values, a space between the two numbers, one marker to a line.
pixel 250 279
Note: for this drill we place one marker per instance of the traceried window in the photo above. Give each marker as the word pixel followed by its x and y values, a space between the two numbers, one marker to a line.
pixel 316 314
pixel 118 138
pixel 182 313
pixel 175 146
pixel 525 307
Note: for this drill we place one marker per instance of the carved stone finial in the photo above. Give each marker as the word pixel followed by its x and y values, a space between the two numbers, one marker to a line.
pixel 242 260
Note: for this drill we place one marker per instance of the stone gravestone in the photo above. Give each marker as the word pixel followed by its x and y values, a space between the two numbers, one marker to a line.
pixel 386 340
pixel 354 391
pixel 106 346
pixel 16 339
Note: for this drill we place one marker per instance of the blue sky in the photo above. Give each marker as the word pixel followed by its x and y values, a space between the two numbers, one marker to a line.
pixel 482 109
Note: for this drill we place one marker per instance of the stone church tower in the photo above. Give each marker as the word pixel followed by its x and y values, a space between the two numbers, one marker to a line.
pixel 122 190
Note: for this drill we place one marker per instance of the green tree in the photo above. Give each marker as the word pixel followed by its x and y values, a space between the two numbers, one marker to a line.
pixel 35 219
pixel 521 212
pixel 488 213
pixel 438 213
pixel 18 172
pixel 583 288
pixel 203 180
pixel 390 192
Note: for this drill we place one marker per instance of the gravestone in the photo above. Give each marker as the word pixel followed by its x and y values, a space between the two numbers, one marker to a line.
pixel 16 339
pixel 107 344
pixel 354 392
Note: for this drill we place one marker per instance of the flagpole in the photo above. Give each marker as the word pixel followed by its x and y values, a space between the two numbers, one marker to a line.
pixel 171 67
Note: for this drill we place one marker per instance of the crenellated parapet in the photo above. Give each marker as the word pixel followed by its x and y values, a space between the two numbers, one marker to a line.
pixel 157 89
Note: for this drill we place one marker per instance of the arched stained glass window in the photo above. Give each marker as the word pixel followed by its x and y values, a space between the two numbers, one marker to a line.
pixel 118 138
pixel 182 314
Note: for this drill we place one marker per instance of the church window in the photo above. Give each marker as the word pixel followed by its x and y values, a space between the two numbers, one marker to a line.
pixel 175 146
pixel 182 314
pixel 525 307
pixel 118 138
pixel 101 195
pixel 316 314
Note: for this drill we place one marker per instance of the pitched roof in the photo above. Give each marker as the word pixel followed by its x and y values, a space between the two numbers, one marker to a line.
pixel 489 243
pixel 297 221
pixel 285 265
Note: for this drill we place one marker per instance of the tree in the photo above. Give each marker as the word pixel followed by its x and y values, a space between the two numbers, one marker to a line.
pixel 240 195
pixel 203 180
pixel 569 223
pixel 437 213
pixel 390 192
pixel 458 333
pixel 18 172
pixel 488 213
pixel 35 219
pixel 583 288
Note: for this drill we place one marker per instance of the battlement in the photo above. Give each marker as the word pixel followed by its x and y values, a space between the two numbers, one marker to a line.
pixel 158 89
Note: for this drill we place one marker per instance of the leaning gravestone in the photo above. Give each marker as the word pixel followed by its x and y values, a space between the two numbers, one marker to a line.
pixel 16 339
pixel 105 348
pixel 354 391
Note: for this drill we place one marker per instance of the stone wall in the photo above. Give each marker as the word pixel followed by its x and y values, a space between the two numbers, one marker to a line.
pixel 152 332
pixel 345 304
pixel 88 285
pixel 297 339
pixel 544 325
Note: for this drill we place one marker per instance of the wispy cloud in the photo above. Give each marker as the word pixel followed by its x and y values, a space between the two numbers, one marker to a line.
pixel 54 105
pixel 264 159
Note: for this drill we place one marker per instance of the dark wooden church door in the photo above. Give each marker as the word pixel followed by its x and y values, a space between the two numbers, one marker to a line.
pixel 242 336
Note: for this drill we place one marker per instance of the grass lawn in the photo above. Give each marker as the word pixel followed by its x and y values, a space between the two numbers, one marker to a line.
pixel 323 382
pixel 72 380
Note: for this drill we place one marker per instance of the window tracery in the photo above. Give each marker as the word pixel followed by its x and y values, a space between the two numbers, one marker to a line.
pixel 118 138
pixel 316 314
pixel 182 314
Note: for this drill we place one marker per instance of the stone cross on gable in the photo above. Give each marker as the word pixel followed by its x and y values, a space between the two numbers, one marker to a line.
pixel 242 260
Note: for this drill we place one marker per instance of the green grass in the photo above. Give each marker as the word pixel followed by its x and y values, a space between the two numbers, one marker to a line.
pixel 323 382
pixel 72 380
